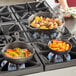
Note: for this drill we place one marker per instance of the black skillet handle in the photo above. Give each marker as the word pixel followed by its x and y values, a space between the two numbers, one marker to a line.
pixel 17 36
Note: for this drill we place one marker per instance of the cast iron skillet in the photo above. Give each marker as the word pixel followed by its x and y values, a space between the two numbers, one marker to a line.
pixel 18 44
pixel 43 14
pixel 58 52
pixel 61 52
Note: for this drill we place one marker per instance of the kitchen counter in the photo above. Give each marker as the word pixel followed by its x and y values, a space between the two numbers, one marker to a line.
pixel 71 71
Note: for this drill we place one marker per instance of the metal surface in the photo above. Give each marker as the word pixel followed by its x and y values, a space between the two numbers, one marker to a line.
pixel 71 71
pixel 71 26
pixel 36 64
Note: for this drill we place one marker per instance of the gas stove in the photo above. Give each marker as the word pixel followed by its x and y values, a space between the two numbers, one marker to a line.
pixel 14 20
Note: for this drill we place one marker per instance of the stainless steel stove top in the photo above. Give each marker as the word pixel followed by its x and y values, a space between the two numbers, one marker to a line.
pixel 71 26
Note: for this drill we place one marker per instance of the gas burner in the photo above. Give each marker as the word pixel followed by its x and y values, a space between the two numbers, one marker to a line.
pixel 41 35
pixel 58 58
pixel 36 35
pixel 11 66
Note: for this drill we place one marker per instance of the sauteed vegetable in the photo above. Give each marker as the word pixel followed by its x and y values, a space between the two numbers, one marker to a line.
pixel 17 53
pixel 46 23
pixel 59 45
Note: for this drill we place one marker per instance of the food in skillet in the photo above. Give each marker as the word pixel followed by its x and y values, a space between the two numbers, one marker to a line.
pixel 59 45
pixel 17 53
pixel 45 23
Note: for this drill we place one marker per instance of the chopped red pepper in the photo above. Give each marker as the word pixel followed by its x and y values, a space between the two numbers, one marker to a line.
pixel 9 50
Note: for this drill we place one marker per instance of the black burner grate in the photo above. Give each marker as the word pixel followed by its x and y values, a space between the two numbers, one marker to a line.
pixel 8 30
pixel 23 11
pixel 6 15
pixel 4 9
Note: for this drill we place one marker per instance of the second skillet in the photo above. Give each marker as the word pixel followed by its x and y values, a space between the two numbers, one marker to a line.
pixel 43 14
